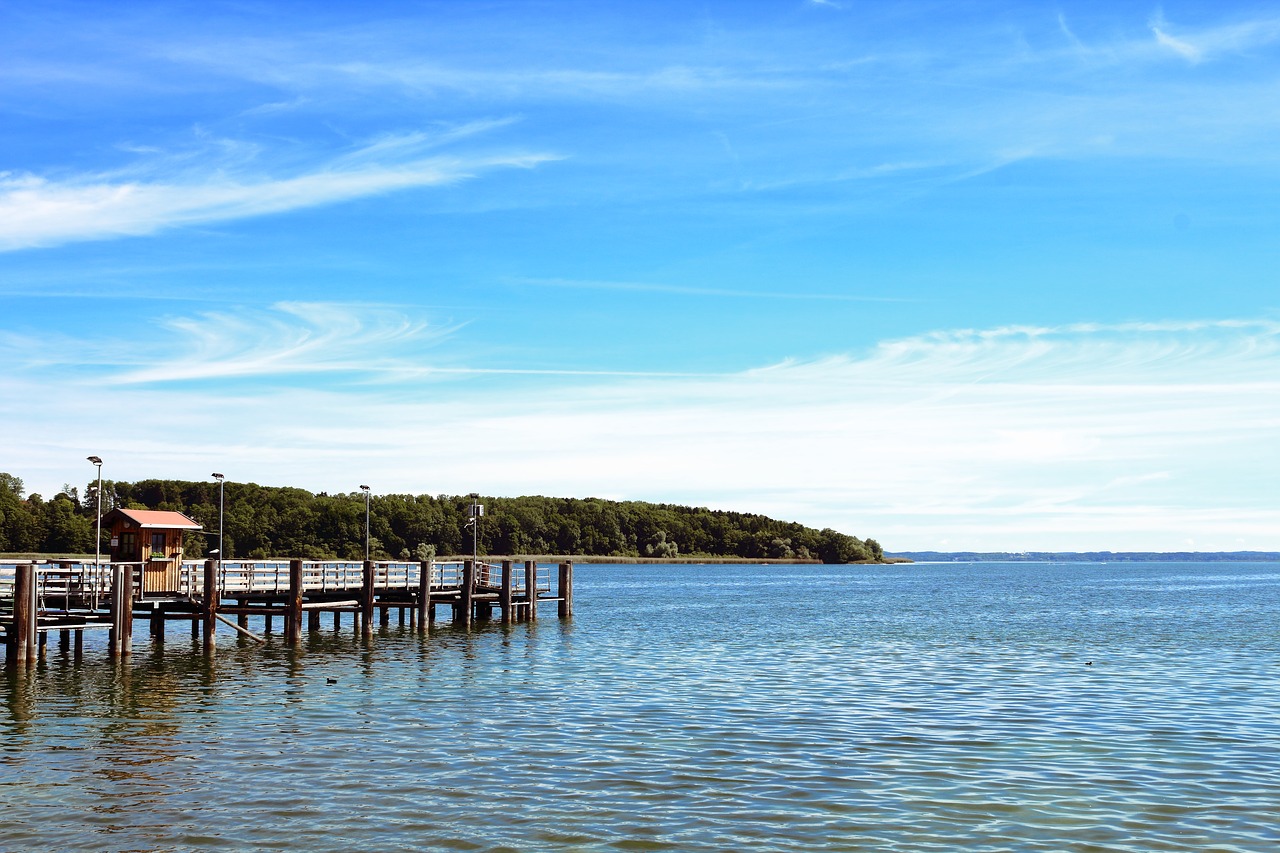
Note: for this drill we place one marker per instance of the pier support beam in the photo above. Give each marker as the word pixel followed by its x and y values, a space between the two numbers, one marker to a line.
pixel 425 569
pixel 210 604
pixel 21 649
pixel 504 597
pixel 531 588
pixel 463 614
pixel 366 600
pixel 566 590
pixel 293 621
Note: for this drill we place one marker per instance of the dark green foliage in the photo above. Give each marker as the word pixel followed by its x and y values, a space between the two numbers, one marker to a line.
pixel 262 521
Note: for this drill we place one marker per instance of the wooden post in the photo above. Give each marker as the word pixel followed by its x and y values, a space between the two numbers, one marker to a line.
pixel 337 620
pixel 504 597
pixel 78 651
pixel 24 616
pixel 115 635
pixel 126 611
pixel 566 590
pixel 425 569
pixel 384 618
pixel 210 604
pixel 463 617
pixel 313 620
pixel 366 600
pixel 64 640
pixel 293 622
pixel 531 588
pixel 157 622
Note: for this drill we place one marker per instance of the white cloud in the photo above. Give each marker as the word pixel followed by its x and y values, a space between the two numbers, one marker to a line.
pixel 38 212
pixel 1089 437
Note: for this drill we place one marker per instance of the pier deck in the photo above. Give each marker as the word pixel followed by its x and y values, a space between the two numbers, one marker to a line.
pixel 37 597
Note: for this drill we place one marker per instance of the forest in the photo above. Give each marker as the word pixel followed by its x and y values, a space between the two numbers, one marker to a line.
pixel 270 521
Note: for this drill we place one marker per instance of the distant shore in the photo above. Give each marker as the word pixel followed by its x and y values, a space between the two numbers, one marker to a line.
pixel 1086 556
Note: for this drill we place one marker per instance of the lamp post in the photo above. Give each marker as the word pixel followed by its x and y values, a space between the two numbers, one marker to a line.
pixel 477 510
pixel 97 540
pixel 221 505
pixel 365 489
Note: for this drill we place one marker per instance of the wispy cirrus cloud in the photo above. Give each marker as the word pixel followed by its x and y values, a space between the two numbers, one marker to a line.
pixel 1084 436
pixel 1210 42
pixel 38 212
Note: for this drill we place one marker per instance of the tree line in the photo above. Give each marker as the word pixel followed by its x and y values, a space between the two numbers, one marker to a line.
pixel 270 521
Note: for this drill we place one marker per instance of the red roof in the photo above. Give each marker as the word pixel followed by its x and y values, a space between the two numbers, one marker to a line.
pixel 156 518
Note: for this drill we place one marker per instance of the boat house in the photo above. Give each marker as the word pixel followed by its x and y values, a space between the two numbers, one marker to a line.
pixel 153 540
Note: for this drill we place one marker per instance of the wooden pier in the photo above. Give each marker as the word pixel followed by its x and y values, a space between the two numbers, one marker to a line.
pixel 71 597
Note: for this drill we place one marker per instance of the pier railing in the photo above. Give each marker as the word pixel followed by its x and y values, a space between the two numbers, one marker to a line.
pixel 66 578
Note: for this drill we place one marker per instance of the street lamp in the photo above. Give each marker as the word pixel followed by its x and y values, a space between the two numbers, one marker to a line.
pixel 97 540
pixel 365 489
pixel 221 505
pixel 477 510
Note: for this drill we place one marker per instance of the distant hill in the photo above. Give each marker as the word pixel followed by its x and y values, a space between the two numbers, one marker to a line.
pixel 1087 556
pixel 272 521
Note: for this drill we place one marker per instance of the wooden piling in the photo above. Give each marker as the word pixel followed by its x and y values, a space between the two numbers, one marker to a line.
pixel 210 604
pixel 313 620
pixel 566 590
pixel 531 589
pixel 126 611
pixel 425 615
pixel 463 612
pixel 64 640
pixel 115 636
pixel 293 622
pixel 22 640
pixel 504 597
pixel 366 600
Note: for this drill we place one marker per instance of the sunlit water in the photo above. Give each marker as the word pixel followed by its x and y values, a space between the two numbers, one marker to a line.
pixel 1128 707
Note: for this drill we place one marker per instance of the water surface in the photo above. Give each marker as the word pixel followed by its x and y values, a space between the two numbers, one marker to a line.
pixel 989 707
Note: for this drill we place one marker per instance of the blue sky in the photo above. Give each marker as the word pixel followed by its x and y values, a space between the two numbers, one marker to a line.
pixel 989 275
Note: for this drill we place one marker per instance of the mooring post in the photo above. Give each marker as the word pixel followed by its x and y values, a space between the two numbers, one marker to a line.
pixel 425 569
pixel 126 610
pixel 504 597
pixel 366 600
pixel 24 616
pixel 157 622
pixel 531 588
pixel 293 622
pixel 566 590
pixel 115 635
pixel 210 604
pixel 468 586
pixel 313 620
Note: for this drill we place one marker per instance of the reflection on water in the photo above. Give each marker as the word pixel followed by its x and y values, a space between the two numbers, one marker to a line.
pixel 997 707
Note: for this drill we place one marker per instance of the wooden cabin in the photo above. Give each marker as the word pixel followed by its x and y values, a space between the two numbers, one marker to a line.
pixel 152 538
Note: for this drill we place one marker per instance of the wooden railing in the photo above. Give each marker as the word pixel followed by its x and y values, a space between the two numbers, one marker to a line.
pixel 55 578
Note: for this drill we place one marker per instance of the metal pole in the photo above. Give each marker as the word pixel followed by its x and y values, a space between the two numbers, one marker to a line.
pixel 365 489
pixel 221 577
pixel 97 542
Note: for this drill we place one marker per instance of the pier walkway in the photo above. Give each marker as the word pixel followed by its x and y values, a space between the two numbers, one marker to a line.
pixel 71 597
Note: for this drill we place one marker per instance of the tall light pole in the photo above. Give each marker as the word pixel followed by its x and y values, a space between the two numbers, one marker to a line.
pixel 477 510
pixel 365 489
pixel 221 506
pixel 97 540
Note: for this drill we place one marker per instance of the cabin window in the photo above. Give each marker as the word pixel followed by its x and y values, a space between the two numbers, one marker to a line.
pixel 157 544
pixel 129 544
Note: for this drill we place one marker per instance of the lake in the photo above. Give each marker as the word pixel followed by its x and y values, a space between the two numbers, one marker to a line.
pixel 984 707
